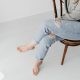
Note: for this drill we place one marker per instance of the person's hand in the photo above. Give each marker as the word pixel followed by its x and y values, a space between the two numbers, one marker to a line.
pixel 58 22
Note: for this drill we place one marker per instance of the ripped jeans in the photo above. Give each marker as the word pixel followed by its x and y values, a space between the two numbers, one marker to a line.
pixel 45 38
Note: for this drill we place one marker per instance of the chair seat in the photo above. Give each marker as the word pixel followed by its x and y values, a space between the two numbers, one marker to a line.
pixel 71 42
pixel 67 43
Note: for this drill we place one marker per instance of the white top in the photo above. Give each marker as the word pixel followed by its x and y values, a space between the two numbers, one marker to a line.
pixel 73 8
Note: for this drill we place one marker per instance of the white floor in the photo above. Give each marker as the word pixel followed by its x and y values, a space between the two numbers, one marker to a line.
pixel 18 66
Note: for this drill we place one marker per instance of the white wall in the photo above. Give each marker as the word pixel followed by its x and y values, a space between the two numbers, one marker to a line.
pixel 13 9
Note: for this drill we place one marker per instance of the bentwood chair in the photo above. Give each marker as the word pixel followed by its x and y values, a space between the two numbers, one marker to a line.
pixel 66 42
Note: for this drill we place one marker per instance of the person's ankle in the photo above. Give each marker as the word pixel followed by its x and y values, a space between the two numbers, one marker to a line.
pixel 38 62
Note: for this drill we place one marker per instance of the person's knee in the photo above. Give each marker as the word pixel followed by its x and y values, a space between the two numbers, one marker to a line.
pixel 48 26
pixel 47 41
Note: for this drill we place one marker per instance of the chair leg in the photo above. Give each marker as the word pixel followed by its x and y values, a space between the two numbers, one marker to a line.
pixel 64 54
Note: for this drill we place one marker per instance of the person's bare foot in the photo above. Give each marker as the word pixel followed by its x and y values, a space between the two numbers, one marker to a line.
pixel 27 47
pixel 36 67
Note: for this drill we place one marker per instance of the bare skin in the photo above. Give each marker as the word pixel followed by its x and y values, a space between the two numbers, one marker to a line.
pixel 36 67
pixel 30 46
pixel 27 47
pixel 37 64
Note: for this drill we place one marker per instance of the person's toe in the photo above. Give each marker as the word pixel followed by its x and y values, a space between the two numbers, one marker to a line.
pixel 35 71
pixel 19 49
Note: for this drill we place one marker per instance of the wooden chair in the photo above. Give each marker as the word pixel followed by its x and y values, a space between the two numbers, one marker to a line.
pixel 66 42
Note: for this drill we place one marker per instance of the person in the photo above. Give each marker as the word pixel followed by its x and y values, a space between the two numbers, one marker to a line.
pixel 50 32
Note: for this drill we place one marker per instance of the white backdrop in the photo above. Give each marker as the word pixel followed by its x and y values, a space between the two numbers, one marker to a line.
pixel 13 9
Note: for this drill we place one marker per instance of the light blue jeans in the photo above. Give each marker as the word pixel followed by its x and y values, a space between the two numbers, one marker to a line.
pixel 68 30
pixel 44 39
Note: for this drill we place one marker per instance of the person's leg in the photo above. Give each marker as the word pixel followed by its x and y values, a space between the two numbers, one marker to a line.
pixel 27 47
pixel 45 29
pixel 42 50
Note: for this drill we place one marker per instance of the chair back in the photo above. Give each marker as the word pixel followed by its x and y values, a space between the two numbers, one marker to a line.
pixel 55 8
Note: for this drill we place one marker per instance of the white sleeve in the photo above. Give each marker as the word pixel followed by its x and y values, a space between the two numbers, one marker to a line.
pixel 74 12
